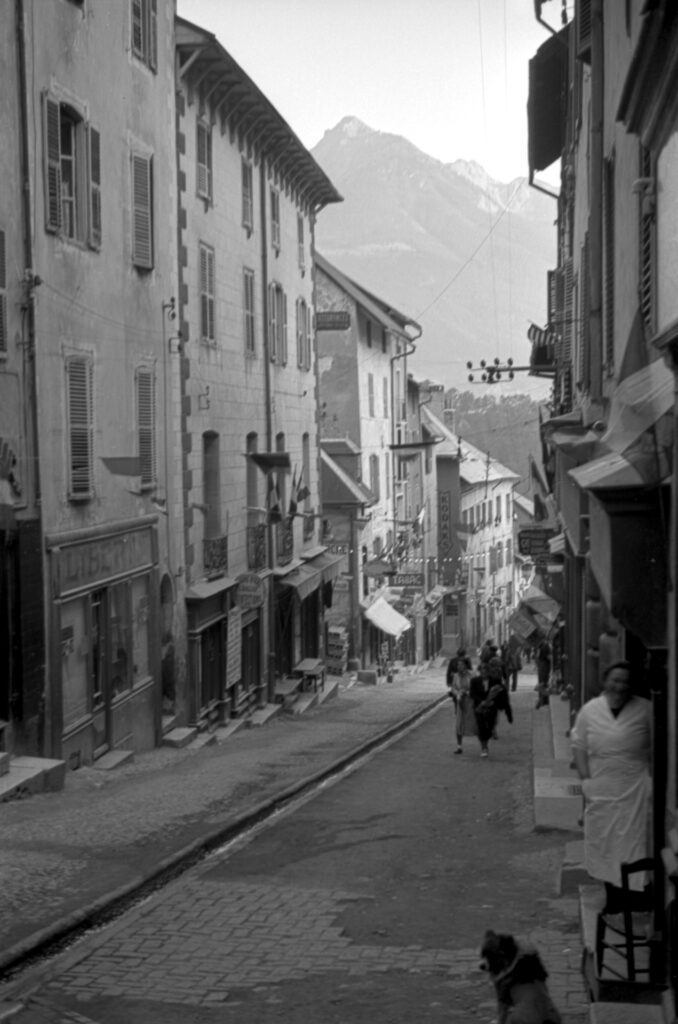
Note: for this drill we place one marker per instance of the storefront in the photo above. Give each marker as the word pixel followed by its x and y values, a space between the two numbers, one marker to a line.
pixel 104 641
pixel 302 594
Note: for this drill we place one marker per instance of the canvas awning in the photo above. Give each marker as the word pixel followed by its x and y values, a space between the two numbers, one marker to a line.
pixel 386 618
pixel 303 579
pixel 329 565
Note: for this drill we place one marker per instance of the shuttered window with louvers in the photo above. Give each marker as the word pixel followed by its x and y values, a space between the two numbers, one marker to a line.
pixel 142 211
pixel 207 279
pixel 145 388
pixel 80 431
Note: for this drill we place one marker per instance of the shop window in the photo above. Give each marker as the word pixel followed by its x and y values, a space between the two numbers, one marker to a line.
pixel 140 619
pixel 74 661
pixel 119 634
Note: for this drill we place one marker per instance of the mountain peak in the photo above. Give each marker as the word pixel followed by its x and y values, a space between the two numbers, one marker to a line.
pixel 351 127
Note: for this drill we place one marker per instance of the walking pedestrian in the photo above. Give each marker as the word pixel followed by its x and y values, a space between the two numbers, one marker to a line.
pixel 513 665
pixel 459 685
pixel 489 697
pixel 543 672
pixel 611 748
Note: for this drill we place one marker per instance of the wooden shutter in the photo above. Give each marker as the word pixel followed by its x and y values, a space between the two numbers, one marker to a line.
pixel 272 323
pixel 146 425
pixel 80 426
pixel 309 339
pixel 583 361
pixel 568 310
pixel 247 208
pixel 204 161
pixel 583 29
pixel 3 294
pixel 94 179
pixel 283 335
pixel 647 246
pixel 207 279
pixel 301 323
pixel 152 40
pixel 248 287
pixel 52 162
pixel 138 28
pixel 142 212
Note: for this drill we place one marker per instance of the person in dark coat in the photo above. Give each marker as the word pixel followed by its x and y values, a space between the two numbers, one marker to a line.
pixel 458 684
pixel 489 696
pixel 543 672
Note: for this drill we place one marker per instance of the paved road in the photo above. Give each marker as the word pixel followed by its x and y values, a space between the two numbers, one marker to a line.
pixel 366 902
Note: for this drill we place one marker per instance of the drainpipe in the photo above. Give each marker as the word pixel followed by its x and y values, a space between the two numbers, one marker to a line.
pixel 596 200
pixel 270 666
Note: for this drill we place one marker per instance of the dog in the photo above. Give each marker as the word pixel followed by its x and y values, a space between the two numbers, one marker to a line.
pixel 519 978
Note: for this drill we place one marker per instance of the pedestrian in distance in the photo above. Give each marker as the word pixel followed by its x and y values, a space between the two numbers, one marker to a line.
pixel 543 672
pixel 489 697
pixel 513 666
pixel 611 749
pixel 459 685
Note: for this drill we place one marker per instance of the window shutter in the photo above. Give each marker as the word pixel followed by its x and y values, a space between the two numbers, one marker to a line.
pixel 207 278
pixel 247 212
pixel 583 29
pixel 309 339
pixel 272 323
pixel 146 426
pixel 204 162
pixel 300 333
pixel 153 34
pixel 608 253
pixel 138 28
pixel 80 433
pixel 283 339
pixel 142 241
pixel 94 175
pixel 647 247
pixel 568 311
pixel 584 317
pixel 52 157
pixel 3 294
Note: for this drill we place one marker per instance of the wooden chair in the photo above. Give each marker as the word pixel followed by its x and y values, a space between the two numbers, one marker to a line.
pixel 631 929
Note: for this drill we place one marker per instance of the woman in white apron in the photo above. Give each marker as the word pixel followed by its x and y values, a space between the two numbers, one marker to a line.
pixel 611 747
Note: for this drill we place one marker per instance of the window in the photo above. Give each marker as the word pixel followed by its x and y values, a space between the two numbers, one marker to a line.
pixel 508 552
pixel 72 172
pixel 204 160
pixel 142 211
pixel 508 508
pixel 387 478
pixel 247 197
pixel 145 388
pixel 384 343
pixel 301 256
pixel 207 294
pixel 277 324
pixel 275 219
pixel 498 509
pixel 370 393
pixel 210 484
pixel 368 333
pixel 145 31
pixel 303 339
pixel 374 475
pixel 385 395
pixel 80 427
pixel 248 306
pixel 500 555
pixel 3 294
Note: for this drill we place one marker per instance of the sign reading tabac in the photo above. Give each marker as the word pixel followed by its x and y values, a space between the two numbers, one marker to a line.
pixel 408 579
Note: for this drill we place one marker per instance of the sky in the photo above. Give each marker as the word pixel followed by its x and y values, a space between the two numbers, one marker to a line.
pixel 448 75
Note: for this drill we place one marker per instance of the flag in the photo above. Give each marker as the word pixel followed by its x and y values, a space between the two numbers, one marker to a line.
pixel 293 496
pixel 302 491
pixel 273 500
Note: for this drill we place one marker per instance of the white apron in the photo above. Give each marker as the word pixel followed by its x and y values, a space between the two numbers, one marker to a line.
pixel 617 796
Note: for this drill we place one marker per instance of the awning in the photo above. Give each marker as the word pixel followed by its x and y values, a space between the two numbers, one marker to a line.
pixel 378 567
pixel 204 589
pixel 547 101
pixel 386 618
pixel 539 602
pixel 615 471
pixel 328 565
pixel 304 580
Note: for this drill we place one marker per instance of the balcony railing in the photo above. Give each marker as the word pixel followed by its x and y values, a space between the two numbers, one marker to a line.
pixel 256 546
pixel 284 542
pixel 215 555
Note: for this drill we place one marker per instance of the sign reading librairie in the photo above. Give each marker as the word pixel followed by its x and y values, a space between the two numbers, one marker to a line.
pixel 333 320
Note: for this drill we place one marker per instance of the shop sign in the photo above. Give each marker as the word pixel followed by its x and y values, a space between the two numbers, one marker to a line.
pixel 339 548
pixel 407 579
pixel 250 591
pixel 332 320
pixel 95 561
pixel 444 523
pixel 234 646
pixel 534 543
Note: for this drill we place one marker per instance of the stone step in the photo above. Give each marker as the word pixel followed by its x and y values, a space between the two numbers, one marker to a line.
pixel 263 715
pixel 179 737
pixel 203 739
pixel 303 702
pixel 168 723
pixel 113 759
pixel 625 1013
pixel 329 690
pixel 28 775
